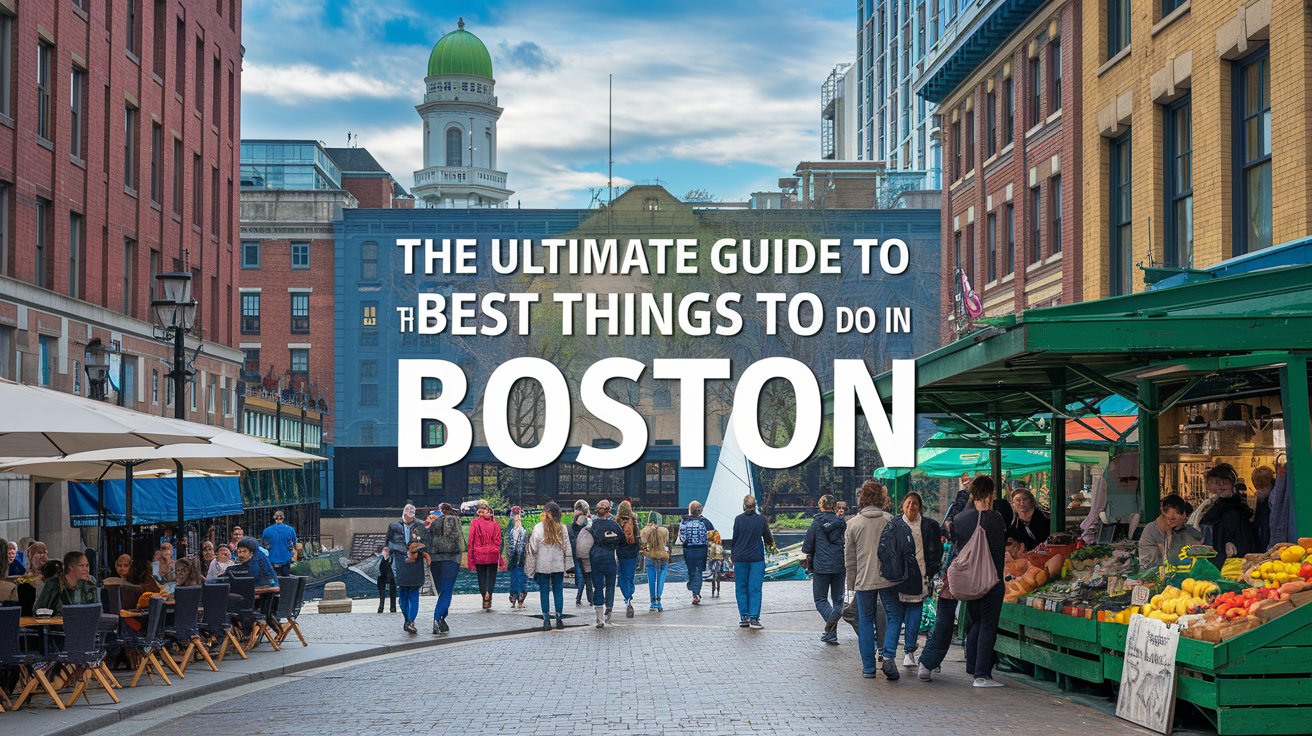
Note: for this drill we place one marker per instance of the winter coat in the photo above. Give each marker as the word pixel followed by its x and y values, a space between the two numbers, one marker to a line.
pixel 903 543
pixel 484 542
pixel 446 531
pixel 607 537
pixel 583 544
pixel 1231 521
pixel 547 558
pixel 861 549
pixel 751 534
pixel 824 542
pixel 692 532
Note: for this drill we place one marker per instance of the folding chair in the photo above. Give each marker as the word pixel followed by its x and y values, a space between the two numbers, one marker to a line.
pixel 83 651
pixel 214 621
pixel 287 625
pixel 261 628
pixel 13 655
pixel 185 632
pixel 147 643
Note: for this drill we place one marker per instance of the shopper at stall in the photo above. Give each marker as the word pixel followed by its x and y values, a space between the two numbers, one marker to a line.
pixel 582 566
pixel 1226 514
pixel 917 539
pixel 1264 481
pixel 1028 523
pixel 985 612
pixel 864 579
pixel 1161 541
pixel 823 547
pixel 692 535
pixel 751 538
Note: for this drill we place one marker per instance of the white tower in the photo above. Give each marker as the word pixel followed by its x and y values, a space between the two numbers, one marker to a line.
pixel 460 116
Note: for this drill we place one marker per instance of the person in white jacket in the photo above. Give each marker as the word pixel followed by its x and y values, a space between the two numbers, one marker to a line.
pixel 547 559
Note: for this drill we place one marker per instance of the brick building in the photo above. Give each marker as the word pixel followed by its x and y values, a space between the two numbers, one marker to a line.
pixel 1198 129
pixel 118 161
pixel 371 184
pixel 1009 96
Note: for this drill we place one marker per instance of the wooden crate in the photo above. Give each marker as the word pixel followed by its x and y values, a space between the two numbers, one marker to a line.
pixel 1063 644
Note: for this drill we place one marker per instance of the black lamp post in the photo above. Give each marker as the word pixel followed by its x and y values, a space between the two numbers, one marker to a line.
pixel 97 369
pixel 174 315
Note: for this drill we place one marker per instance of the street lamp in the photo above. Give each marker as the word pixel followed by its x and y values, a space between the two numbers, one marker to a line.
pixel 174 315
pixel 97 369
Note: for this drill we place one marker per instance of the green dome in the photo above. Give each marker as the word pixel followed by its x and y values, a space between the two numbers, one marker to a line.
pixel 460 52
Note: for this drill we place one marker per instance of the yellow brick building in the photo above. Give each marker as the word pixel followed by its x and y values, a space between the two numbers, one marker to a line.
pixel 1196 146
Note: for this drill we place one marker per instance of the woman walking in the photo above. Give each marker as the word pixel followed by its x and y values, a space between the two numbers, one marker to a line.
pixel 915 538
pixel 445 543
pixel 985 612
pixel 693 534
pixel 485 551
pixel 656 548
pixel 823 546
pixel 547 557
pixel 516 546
pixel 408 569
pixel 717 561
pixel 627 553
pixel 604 536
pixel 864 577
pixel 582 566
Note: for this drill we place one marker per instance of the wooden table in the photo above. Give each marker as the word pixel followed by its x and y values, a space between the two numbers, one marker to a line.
pixel 38 621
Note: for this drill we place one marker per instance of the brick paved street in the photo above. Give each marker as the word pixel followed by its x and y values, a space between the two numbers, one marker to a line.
pixel 688 669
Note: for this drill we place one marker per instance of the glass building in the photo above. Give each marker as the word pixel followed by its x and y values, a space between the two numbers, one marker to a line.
pixel 282 164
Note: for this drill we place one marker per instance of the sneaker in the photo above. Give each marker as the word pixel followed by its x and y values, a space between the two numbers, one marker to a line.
pixel 890 669
pixel 436 629
pixel 696 600
pixel 441 626
pixel 652 607
pixel 829 637
pixel 601 624
pixel 924 674
pixel 546 624
pixel 868 674
pixel 411 628
pixel 742 623
pixel 560 623
pixel 879 659
pixel 628 610
pixel 607 615
pixel 987 682
pixel 909 660
pixel 755 623
pixel 659 608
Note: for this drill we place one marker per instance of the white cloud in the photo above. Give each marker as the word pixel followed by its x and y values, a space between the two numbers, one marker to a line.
pixel 297 83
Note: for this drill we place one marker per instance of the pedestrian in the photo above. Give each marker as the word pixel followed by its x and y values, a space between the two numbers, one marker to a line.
pixel 485 551
pixel 823 548
pixel 626 553
pixel 656 548
pixel 280 540
pixel 1264 481
pixel 408 569
pixel 446 541
pixel 582 566
pixel 986 611
pixel 692 535
pixel 604 538
pixel 917 539
pixel 386 578
pixel 718 562
pixel 516 546
pixel 840 509
pixel 864 579
pixel 547 557
pixel 751 535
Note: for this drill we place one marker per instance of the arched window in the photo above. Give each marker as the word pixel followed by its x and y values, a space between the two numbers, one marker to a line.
pixel 454 137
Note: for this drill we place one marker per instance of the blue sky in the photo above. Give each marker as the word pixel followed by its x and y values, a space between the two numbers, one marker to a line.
pixel 722 96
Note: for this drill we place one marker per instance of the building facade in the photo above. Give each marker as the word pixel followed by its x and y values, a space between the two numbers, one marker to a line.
pixel 1198 132
pixel 1009 96
pixel 838 104
pixel 118 161
pixel 460 116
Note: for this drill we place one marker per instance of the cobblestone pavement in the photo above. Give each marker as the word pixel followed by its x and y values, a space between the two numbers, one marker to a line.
pixel 687 669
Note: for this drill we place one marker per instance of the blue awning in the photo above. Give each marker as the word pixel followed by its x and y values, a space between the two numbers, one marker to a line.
pixel 155 500
pixel 983 41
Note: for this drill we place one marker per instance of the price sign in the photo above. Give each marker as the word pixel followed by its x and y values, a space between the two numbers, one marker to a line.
pixel 1140 595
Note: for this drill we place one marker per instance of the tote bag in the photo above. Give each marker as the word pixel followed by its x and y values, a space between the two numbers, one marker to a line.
pixel 972 572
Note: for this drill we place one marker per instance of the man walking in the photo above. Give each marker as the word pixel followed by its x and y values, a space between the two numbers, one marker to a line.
pixel 446 541
pixel 692 534
pixel 280 540
pixel 751 535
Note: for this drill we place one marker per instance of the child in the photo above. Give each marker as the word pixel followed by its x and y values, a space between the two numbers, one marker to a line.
pixel 716 559
pixel 516 548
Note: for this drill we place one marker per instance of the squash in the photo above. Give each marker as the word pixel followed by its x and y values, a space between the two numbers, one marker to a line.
pixel 1053 567
pixel 1305 542
pixel 1016 568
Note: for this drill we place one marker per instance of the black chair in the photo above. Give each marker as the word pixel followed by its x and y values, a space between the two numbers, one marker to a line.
pixel 13 654
pixel 147 642
pixel 214 620
pixel 111 600
pixel 185 632
pixel 84 651
pixel 286 623
pixel 27 598
pixel 266 624
pixel 243 615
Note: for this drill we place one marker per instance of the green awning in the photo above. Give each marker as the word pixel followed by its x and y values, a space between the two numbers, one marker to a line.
pixel 947 462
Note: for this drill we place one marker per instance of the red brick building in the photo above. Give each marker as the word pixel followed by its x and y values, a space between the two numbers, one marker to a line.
pixel 1009 97
pixel 372 185
pixel 118 161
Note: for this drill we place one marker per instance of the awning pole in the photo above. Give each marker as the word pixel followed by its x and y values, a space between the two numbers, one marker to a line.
pixel 1298 442
pixel 100 526
pixel 180 533
pixel 1150 486
pixel 995 456
pixel 1057 481
pixel 127 506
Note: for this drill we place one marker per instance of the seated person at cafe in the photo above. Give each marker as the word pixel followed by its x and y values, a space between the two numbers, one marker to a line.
pixel 188 572
pixel 68 584
pixel 1161 541
pixel 250 563
pixel 37 557
pixel 163 567
pixel 122 566
pixel 140 575
pixel 222 561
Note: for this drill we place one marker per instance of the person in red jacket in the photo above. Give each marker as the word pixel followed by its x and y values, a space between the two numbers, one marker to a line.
pixel 485 551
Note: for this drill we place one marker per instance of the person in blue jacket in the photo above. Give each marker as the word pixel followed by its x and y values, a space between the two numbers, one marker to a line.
pixel 824 547
pixel 607 537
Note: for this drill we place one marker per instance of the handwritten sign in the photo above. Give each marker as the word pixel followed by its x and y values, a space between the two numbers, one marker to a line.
pixel 1147 695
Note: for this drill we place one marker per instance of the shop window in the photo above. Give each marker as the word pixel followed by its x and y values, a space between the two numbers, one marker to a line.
pixel 1252 143
pixel 1179 184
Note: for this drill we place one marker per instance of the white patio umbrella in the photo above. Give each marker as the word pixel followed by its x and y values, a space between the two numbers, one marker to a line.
pixel 38 422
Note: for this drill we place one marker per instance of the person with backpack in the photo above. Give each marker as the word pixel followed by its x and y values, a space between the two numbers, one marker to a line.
pixel 692 535
pixel 980 559
pixel 911 550
pixel 627 553
pixel 485 551
pixel 546 558
pixel 864 577
pixel 604 539
pixel 446 541
pixel 823 548
pixel 582 566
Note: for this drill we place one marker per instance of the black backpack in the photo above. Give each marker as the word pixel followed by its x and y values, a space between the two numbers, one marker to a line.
pixel 447 540
pixel 893 552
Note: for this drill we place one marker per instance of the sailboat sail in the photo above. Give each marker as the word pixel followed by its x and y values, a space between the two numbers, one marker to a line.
pixel 732 481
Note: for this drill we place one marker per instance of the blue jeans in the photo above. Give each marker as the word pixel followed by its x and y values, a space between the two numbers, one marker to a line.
pixel 582 581
pixel 518 583
pixel 899 613
pixel 444 579
pixel 553 583
pixel 603 583
pixel 656 571
pixel 936 646
pixel 627 566
pixel 409 602
pixel 695 557
pixel 747 580
pixel 827 589
pixel 867 602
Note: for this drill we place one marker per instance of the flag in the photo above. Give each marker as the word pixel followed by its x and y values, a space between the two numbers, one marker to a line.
pixel 974 307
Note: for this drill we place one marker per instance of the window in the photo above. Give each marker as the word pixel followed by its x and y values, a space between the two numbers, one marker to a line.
pixel 77 102
pixel 1252 85
pixel 1121 216
pixel 250 365
pixel 200 74
pixel 154 386
pixel 957 150
pixel 662 483
pixel 991 265
pixel 180 58
pixel 4 230
pixel 232 104
pixel 76 240
pixel 129 274
pixel 214 200
pixel 369 324
pixel 1036 228
pixel 177 177
pixel 1054 214
pixel 218 96
pixel 7 353
pixel 197 192
pixel 1009 114
pixel 154 269
pixel 1010 254
pixel 991 123
pixel 432 433
pixel 430 388
pixel 300 362
pixel 970 253
pixel 129 380
pixel 369 394
pixel 44 52
pixel 300 255
pixel 454 156
pixel 1118 26
pixel 1169 6
pixel 133 40
pixel 956 252
pixel 250 313
pixel 157 40
pixel 300 312
pixel 369 261
pixel 1054 74
pixel 6 62
pixel 368 369
pixel 366 485
pixel 970 140
pixel 1036 92
pixel 42 275
pixel 46 356
pixel 156 163
pixel 1179 185
pixel 130 147
pixel 250 254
